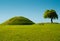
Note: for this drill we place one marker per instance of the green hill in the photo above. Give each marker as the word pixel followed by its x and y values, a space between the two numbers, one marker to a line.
pixel 18 20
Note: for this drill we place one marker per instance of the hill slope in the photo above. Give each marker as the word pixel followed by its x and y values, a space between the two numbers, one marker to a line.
pixel 19 20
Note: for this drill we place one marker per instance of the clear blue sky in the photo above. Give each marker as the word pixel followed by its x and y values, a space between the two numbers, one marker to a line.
pixel 32 9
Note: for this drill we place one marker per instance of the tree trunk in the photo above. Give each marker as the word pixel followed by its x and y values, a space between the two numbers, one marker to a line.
pixel 51 20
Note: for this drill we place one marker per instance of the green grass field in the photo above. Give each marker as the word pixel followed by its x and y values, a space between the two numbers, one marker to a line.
pixel 46 32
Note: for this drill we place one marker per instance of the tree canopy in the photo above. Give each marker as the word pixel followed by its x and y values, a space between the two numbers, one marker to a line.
pixel 50 14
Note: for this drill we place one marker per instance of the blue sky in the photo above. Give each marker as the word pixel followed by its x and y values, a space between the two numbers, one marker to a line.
pixel 32 9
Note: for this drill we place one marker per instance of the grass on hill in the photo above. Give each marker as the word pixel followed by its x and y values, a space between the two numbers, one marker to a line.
pixel 18 20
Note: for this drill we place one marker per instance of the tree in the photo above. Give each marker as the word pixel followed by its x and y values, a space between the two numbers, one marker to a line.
pixel 50 14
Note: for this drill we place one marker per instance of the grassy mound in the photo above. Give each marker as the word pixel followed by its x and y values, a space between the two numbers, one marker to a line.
pixel 19 20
